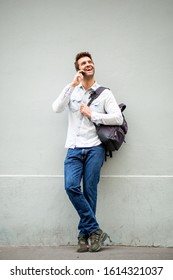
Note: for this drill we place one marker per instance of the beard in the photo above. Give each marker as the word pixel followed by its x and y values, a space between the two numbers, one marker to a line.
pixel 88 75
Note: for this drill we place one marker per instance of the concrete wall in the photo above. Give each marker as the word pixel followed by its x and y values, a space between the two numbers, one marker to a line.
pixel 131 42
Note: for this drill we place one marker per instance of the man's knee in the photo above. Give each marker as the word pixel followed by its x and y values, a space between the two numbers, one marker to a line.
pixel 72 189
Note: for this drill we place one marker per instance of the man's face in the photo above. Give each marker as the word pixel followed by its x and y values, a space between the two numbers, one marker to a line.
pixel 86 65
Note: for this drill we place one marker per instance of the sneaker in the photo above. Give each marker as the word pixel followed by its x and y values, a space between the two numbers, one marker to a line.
pixel 97 239
pixel 83 244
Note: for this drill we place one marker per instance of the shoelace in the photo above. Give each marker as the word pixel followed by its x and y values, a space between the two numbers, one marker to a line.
pixel 109 239
pixel 83 240
pixel 95 237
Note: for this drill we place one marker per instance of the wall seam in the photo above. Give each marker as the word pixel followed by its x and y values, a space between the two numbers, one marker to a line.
pixel 62 176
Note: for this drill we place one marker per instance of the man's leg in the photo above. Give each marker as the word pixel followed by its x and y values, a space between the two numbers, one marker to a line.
pixel 74 163
pixel 92 167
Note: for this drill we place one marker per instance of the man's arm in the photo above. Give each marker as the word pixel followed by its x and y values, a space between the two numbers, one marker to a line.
pixel 113 115
pixel 63 99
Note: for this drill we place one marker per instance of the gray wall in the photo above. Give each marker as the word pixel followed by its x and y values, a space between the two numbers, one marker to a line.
pixel 131 42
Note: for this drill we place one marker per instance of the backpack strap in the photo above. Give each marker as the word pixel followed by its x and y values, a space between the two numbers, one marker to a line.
pixel 108 154
pixel 122 107
pixel 95 94
pixel 92 97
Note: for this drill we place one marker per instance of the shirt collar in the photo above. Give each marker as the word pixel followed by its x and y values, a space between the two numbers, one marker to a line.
pixel 93 88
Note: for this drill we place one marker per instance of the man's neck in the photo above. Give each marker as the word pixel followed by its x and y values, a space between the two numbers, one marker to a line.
pixel 88 83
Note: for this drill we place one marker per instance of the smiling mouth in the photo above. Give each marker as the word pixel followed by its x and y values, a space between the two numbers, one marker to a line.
pixel 89 70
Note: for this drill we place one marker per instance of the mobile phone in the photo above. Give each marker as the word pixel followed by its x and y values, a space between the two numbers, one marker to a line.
pixel 82 72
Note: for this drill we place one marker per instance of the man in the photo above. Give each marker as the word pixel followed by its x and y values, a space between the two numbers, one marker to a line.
pixel 86 154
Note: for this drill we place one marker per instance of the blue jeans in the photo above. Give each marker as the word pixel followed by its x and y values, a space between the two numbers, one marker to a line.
pixel 84 163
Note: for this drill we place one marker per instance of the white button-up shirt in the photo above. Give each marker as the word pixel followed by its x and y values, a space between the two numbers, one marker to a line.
pixel 81 130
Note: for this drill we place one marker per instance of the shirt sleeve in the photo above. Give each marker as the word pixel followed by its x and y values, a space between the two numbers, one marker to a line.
pixel 63 99
pixel 112 115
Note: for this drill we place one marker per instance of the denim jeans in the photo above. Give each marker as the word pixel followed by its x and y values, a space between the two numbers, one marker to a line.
pixel 84 164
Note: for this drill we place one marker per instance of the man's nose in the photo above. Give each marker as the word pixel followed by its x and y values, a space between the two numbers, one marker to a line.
pixel 89 64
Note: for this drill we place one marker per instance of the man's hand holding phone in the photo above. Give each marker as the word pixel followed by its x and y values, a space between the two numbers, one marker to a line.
pixel 77 78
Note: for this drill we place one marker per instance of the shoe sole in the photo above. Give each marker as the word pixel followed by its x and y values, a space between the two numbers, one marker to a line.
pixel 83 250
pixel 103 237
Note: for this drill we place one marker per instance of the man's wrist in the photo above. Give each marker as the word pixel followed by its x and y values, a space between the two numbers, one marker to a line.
pixel 73 84
pixel 68 89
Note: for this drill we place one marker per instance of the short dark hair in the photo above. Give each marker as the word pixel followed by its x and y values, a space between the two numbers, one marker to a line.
pixel 80 55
